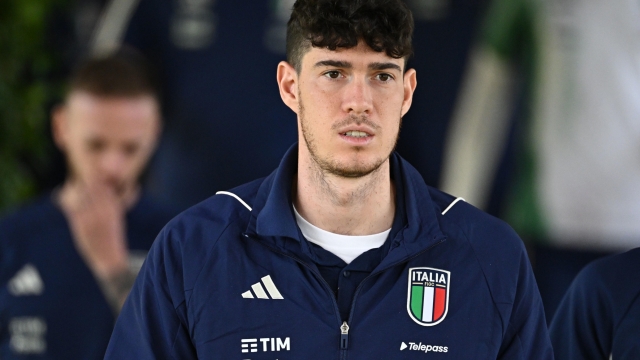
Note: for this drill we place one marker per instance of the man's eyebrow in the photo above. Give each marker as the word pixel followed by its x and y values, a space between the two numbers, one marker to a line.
pixel 384 66
pixel 334 63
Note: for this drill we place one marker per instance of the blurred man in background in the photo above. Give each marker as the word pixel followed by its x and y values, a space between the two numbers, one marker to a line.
pixel 211 57
pixel 68 260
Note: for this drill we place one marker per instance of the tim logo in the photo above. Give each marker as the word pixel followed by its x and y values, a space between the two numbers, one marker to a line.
pixel 428 295
pixel 265 345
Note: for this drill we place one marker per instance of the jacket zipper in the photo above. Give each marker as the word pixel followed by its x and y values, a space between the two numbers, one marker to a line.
pixel 355 294
pixel 344 328
pixel 344 336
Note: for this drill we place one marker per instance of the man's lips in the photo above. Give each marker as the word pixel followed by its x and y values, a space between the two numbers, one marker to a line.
pixel 357 137
pixel 356 130
pixel 356 134
pixel 355 123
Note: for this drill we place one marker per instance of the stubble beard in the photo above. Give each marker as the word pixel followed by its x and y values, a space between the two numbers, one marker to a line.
pixel 328 164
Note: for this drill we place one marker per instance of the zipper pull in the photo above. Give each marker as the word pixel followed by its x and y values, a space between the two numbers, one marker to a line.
pixel 344 336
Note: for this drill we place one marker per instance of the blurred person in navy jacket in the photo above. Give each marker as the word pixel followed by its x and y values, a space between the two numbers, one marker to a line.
pixel 598 316
pixel 69 259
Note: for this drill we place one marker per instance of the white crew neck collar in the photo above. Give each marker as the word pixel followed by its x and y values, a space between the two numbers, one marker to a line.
pixel 346 247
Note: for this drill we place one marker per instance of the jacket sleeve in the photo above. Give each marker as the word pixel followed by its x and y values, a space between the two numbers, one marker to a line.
pixel 582 326
pixel 153 322
pixel 526 335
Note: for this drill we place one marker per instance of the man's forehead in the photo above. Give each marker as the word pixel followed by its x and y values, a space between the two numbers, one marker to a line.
pixel 82 98
pixel 360 55
pixel 112 115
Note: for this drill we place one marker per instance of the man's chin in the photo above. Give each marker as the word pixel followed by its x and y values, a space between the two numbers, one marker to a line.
pixel 351 171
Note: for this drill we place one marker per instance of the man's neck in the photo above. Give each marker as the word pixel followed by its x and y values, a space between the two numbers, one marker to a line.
pixel 347 206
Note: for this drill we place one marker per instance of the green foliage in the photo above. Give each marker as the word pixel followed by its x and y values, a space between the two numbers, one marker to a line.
pixel 25 92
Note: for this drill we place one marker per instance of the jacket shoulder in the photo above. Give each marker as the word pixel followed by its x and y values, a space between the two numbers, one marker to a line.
pixel 217 211
pixel 477 226
pixel 188 241
pixel 499 250
pixel 610 276
pixel 29 221
pixel 26 213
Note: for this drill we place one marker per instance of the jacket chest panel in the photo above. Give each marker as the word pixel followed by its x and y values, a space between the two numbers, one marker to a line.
pixel 260 309
pixel 385 315
pixel 285 311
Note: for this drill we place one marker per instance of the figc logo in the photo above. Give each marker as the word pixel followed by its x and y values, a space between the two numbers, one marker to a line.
pixel 428 295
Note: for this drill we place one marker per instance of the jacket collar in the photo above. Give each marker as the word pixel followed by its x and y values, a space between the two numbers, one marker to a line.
pixel 273 217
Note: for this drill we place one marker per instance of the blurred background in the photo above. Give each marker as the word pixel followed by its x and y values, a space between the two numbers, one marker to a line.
pixel 529 109
pixel 215 61
pixel 33 65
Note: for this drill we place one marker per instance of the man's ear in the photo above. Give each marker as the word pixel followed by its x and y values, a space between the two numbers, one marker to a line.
pixel 410 82
pixel 59 126
pixel 288 85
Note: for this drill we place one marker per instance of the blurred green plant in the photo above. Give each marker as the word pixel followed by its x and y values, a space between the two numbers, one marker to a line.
pixel 26 91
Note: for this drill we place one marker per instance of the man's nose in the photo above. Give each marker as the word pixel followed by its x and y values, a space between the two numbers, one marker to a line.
pixel 358 97
pixel 112 163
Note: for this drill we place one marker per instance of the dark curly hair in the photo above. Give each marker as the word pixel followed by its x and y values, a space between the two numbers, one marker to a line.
pixel 384 25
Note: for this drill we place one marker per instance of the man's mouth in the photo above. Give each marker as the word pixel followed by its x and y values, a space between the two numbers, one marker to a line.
pixel 356 134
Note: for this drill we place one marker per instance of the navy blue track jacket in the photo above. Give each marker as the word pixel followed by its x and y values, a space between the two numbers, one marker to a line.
pixel 233 278
pixel 51 306
pixel 599 316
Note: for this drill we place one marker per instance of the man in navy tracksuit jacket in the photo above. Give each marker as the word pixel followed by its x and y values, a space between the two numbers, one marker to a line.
pixel 343 251
pixel 598 316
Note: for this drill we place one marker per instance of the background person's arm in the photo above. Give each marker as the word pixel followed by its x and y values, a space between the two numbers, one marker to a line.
pixel 153 322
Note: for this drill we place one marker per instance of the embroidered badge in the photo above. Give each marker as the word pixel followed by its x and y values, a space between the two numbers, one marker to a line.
pixel 428 295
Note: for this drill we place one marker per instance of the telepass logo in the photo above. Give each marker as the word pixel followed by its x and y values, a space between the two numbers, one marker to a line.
pixel 428 295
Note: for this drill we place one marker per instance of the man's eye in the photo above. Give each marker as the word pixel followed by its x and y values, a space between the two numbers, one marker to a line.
pixel 332 74
pixel 95 146
pixel 384 77
pixel 130 149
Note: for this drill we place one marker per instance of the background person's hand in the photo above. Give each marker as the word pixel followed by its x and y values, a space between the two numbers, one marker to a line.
pixel 97 219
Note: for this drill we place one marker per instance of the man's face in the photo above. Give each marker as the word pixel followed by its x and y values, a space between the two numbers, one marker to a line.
pixel 350 103
pixel 107 140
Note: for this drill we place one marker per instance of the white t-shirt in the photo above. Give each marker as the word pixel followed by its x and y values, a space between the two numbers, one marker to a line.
pixel 345 247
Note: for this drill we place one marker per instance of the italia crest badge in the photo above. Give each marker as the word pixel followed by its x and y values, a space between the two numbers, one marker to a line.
pixel 428 295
